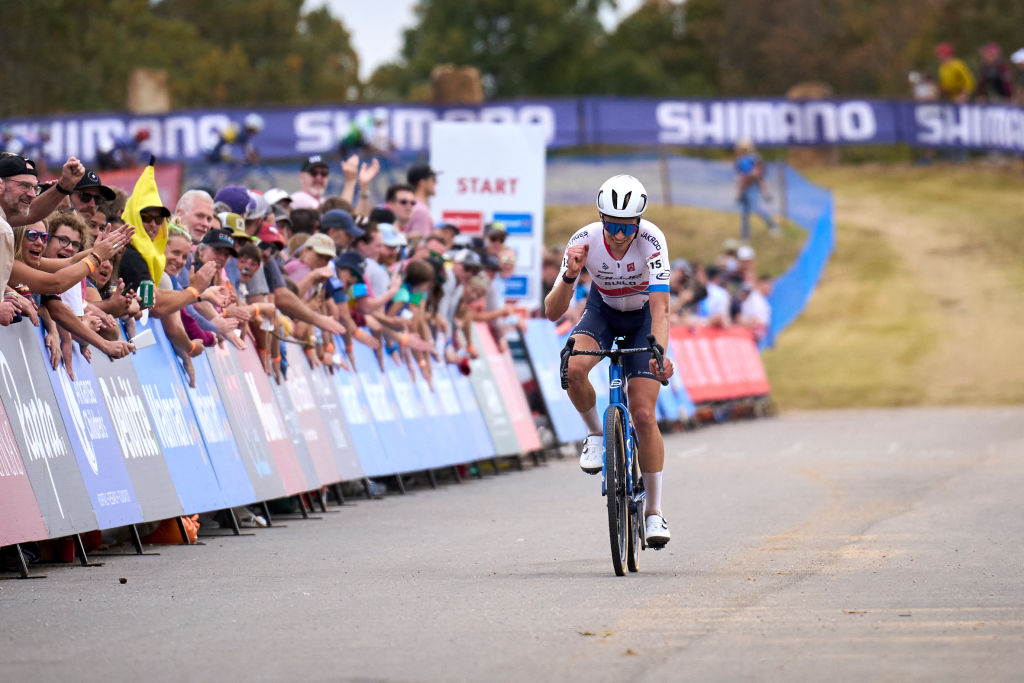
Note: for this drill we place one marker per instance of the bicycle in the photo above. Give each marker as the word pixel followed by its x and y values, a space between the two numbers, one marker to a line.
pixel 621 483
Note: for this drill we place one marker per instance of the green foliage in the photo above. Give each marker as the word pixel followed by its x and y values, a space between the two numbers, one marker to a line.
pixel 77 56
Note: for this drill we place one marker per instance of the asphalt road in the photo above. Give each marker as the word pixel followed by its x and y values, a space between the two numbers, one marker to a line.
pixel 870 545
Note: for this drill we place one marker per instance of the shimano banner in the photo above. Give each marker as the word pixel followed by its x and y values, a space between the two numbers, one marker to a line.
pixel 294 132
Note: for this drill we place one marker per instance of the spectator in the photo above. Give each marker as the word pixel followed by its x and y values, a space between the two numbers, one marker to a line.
pixel 392 244
pixel 755 311
pixel 995 81
pixel 339 225
pixel 121 151
pixel 312 264
pixel 144 258
pixel 1017 59
pixel 448 232
pixel 194 212
pixel 88 194
pixel 714 310
pixel 304 221
pixel 550 264
pixel 750 188
pixel 685 292
pixel 956 83
pixel 401 199
pixel 313 180
pixel 495 234
pixel 922 86
pixel 745 265
pixel 728 259
pixel 423 180
pixel 277 197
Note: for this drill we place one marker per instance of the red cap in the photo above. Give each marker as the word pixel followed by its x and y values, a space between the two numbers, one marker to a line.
pixel 944 50
pixel 270 233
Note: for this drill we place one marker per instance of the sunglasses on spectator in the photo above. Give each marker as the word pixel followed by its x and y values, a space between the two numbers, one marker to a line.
pixel 508 259
pixel 500 237
pixel 150 218
pixel 405 202
pixel 33 235
pixel 324 173
pixel 86 197
pixel 65 241
pixel 625 228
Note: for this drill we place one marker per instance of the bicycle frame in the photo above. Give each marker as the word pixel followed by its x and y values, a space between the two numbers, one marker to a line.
pixel 618 400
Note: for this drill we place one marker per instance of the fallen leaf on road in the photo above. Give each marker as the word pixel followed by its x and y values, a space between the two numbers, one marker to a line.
pixel 630 653
pixel 855 611
pixel 586 633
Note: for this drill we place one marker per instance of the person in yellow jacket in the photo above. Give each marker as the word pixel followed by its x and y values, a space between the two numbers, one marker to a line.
pixel 144 258
pixel 956 82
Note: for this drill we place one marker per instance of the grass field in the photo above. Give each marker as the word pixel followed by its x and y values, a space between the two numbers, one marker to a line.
pixel 922 302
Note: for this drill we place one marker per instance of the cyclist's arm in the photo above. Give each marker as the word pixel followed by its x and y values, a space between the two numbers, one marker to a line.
pixel 659 317
pixel 556 303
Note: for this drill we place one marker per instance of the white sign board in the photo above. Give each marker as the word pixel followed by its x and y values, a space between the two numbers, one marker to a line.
pixel 494 172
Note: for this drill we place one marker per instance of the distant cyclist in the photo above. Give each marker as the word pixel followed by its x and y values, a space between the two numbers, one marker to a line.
pixel 627 258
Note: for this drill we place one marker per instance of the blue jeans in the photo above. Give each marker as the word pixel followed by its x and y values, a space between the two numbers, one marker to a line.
pixel 750 202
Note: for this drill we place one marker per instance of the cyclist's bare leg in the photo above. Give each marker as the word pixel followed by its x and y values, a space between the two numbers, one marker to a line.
pixel 581 391
pixel 643 396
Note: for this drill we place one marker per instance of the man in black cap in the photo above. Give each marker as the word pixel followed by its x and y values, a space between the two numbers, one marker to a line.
pixel 18 199
pixel 88 193
pixel 313 179
pixel 423 180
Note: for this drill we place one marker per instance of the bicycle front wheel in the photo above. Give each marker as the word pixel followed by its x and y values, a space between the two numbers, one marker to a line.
pixel 615 489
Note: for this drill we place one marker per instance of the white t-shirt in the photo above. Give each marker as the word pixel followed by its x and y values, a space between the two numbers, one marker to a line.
pixel 716 303
pixel 72 298
pixel 755 309
pixel 624 284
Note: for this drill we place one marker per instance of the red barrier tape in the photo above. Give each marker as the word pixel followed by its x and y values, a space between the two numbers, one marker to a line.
pixel 718 365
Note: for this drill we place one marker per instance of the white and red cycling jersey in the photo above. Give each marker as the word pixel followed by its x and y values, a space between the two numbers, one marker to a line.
pixel 624 283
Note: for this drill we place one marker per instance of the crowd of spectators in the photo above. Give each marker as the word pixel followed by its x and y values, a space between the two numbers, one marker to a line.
pixel 725 293
pixel 995 79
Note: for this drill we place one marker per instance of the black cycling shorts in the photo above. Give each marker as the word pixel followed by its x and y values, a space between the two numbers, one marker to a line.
pixel 602 323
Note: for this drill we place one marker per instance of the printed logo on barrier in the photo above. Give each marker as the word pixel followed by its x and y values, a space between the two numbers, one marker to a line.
pixel 516 223
pixel 34 416
pixel 275 431
pixel 131 423
pixel 75 398
pixel 207 414
pixel 471 222
pixel 10 461
pixel 169 418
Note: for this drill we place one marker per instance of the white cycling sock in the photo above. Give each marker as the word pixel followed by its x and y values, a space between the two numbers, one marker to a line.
pixel 652 485
pixel 592 420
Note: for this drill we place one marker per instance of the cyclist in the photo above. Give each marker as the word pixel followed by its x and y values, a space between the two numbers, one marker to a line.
pixel 627 258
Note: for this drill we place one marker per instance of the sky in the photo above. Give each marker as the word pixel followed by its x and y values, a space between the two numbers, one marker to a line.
pixel 377 26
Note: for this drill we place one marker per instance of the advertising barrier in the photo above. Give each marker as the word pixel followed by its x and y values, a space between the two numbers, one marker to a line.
pixel 542 349
pixel 39 431
pixel 694 122
pixel 91 432
pixel 127 441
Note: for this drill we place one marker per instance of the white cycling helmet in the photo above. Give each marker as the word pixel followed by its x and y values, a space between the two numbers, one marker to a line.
pixel 622 196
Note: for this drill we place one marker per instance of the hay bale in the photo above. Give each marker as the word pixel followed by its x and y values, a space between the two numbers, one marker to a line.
pixel 148 91
pixel 452 84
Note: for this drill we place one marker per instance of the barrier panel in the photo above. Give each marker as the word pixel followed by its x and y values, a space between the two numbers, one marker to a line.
pixel 296 433
pixel 512 391
pixel 268 415
pixel 241 413
pixel 339 442
pixel 718 365
pixel 419 431
pixel 542 351
pixel 176 428
pixel 373 457
pixel 443 406
pixel 20 519
pixel 146 465
pixel 480 443
pixel 214 428
pixel 488 394
pixel 42 439
pixel 387 420
pixel 91 432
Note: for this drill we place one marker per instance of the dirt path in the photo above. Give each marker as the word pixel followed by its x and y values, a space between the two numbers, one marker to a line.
pixel 923 300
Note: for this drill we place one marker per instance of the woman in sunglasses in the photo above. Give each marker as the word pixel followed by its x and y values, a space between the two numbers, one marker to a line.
pixel 45 287
pixel 627 257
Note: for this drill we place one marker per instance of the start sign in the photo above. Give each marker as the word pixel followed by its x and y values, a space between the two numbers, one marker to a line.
pixel 506 184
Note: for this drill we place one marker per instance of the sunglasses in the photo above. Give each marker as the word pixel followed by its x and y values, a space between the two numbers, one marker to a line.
pixel 405 202
pixel 86 197
pixel 150 218
pixel 321 174
pixel 496 238
pixel 33 235
pixel 625 228
pixel 65 241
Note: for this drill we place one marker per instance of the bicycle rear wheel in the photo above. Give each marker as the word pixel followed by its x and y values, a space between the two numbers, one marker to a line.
pixel 615 490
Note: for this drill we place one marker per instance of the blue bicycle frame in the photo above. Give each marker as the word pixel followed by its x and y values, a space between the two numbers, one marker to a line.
pixel 617 401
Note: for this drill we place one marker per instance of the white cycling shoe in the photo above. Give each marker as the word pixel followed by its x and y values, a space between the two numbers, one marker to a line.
pixel 657 533
pixel 592 458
